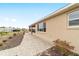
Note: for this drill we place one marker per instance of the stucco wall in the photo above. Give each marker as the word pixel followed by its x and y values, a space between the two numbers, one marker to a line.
pixel 57 29
pixel 60 30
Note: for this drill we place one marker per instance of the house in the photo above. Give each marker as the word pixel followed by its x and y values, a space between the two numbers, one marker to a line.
pixel 6 29
pixel 62 24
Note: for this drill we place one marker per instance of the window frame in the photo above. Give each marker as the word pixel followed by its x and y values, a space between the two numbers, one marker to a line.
pixel 72 26
pixel 44 27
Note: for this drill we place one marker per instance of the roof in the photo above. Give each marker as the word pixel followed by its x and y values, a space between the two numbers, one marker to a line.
pixel 58 12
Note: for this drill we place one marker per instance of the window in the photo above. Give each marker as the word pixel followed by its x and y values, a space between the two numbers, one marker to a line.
pixel 41 27
pixel 74 19
pixel 32 28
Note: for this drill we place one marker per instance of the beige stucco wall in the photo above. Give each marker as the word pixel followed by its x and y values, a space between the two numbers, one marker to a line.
pixel 57 29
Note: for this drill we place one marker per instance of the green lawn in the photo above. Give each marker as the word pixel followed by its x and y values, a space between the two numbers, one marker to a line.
pixel 6 33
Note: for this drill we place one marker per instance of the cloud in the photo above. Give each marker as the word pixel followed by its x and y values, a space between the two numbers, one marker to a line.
pixel 13 20
pixel 10 19
pixel 6 19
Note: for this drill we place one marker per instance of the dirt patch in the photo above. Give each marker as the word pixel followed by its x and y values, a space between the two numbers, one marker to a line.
pixel 55 52
pixel 60 48
pixel 11 41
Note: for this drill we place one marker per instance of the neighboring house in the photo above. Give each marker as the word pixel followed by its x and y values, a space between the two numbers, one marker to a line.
pixel 62 24
pixel 6 29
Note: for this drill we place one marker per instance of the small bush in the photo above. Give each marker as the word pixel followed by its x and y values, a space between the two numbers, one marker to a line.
pixel 64 48
pixel 10 37
pixel 63 44
pixel 23 33
pixel 1 44
pixel 4 40
pixel 14 34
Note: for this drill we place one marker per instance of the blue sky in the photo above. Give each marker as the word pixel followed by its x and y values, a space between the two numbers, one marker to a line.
pixel 24 14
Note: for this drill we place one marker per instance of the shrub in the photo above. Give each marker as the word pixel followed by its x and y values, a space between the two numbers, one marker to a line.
pixel 4 40
pixel 1 44
pixel 14 34
pixel 63 44
pixel 64 48
pixel 10 37
pixel 23 33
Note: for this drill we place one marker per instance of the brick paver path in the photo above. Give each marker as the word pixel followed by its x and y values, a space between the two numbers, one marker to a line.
pixel 29 46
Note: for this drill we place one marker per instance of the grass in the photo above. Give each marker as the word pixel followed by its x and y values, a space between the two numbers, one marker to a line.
pixel 5 33
pixel 8 33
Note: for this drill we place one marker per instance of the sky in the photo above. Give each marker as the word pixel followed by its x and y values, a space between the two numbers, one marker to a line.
pixel 22 15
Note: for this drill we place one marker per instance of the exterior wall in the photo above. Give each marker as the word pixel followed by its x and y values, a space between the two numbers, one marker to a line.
pixel 57 29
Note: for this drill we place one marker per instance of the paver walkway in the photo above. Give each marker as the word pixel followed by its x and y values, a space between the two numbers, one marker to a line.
pixel 29 46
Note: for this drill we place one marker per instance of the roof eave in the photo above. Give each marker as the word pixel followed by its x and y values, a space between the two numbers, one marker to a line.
pixel 60 11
